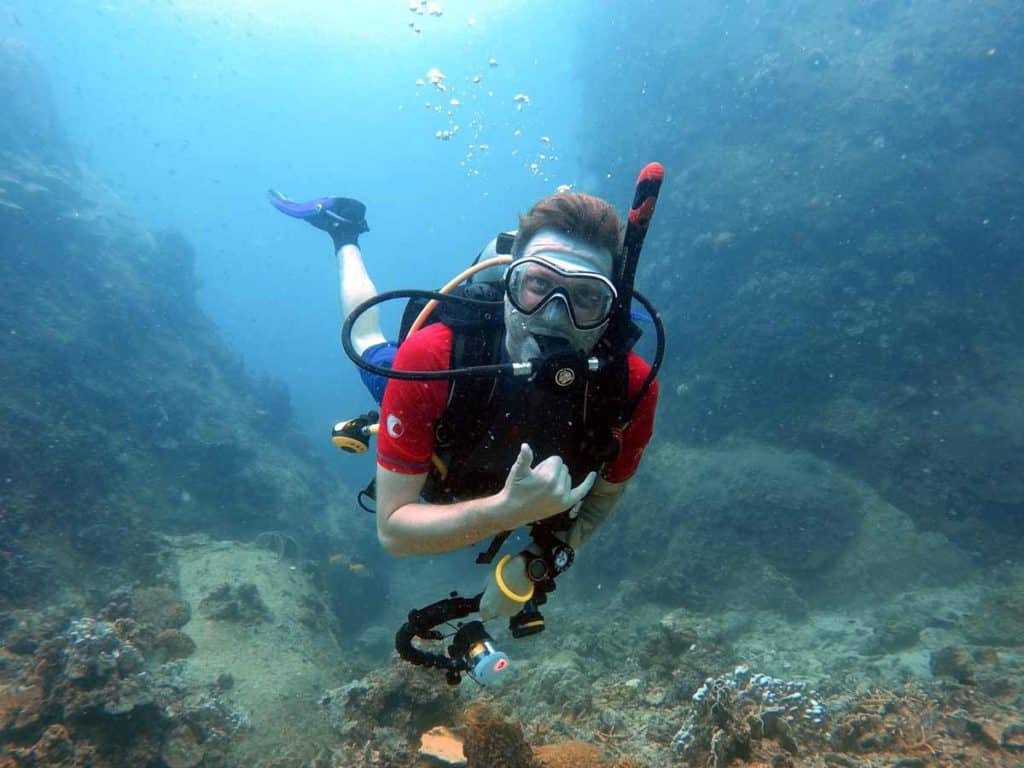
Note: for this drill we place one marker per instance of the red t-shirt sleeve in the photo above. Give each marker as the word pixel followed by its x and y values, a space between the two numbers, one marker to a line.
pixel 410 409
pixel 638 433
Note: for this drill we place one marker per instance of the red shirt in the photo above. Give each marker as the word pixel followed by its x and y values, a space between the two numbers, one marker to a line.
pixel 410 409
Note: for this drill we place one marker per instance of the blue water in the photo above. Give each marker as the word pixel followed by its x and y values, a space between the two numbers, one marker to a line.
pixel 192 109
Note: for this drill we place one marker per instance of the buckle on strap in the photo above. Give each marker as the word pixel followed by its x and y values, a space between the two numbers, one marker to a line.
pixel 485 557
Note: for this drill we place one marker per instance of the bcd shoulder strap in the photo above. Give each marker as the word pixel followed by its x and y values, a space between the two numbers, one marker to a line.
pixel 477 334
pixel 470 400
pixel 457 315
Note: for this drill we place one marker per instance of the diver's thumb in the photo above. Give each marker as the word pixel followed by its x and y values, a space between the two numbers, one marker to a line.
pixel 523 463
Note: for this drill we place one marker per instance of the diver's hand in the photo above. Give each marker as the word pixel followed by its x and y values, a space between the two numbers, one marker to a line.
pixel 536 493
pixel 494 603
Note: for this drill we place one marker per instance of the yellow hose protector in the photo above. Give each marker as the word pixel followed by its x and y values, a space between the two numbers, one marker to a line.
pixel 494 261
pixel 500 581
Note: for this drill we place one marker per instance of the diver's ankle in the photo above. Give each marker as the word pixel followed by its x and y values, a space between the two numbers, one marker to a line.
pixel 341 239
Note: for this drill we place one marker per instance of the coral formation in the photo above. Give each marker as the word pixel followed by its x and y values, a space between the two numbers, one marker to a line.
pixel 569 754
pixel 160 607
pixel 391 709
pixel 491 740
pixel 732 711
pixel 235 602
pixel 173 644
pixel 919 726
pixel 89 696
pixel 574 754
pixel 441 744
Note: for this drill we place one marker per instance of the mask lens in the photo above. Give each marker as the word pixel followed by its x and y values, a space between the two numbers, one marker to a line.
pixel 531 283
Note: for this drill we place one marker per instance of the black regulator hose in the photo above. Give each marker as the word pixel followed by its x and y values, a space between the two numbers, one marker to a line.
pixel 499 369
pixel 659 353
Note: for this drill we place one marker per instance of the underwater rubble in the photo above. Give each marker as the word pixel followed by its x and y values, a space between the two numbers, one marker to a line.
pixel 641 688
pixel 736 720
pixel 863 687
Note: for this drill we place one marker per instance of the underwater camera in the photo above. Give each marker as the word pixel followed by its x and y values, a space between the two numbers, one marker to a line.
pixel 484 663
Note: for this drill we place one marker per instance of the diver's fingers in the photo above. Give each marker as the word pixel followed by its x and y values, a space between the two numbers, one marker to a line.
pixel 564 484
pixel 550 470
pixel 576 495
pixel 521 467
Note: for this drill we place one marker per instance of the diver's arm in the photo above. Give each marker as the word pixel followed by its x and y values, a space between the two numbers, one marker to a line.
pixel 407 526
pixel 596 508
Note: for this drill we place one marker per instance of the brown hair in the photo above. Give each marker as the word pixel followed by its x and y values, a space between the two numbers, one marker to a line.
pixel 577 214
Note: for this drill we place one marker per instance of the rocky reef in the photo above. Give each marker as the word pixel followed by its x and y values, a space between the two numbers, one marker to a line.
pixel 637 714
pixel 125 415
pixel 126 422
pixel 835 484
pixel 31 123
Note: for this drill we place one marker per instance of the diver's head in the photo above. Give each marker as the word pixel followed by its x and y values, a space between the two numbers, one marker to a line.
pixel 560 287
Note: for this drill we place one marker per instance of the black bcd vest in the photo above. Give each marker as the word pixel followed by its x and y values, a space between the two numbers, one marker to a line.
pixel 487 418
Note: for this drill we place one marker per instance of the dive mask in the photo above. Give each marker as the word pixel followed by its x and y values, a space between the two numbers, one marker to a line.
pixel 531 283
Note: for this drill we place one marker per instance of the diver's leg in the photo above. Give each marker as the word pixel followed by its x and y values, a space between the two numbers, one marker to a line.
pixel 344 219
pixel 356 287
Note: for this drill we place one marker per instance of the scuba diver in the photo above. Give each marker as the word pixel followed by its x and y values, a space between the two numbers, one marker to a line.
pixel 519 402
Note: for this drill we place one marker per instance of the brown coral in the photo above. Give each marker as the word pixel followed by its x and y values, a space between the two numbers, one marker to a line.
pixel 174 644
pixel 577 754
pixel 492 741
pixel 160 607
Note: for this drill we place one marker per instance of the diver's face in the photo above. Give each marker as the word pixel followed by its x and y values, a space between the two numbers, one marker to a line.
pixel 551 327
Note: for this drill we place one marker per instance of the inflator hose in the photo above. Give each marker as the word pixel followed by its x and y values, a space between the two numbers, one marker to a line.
pixel 452 284
pixel 498 369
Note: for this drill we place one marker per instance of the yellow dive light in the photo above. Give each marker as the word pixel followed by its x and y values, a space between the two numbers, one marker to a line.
pixel 353 436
